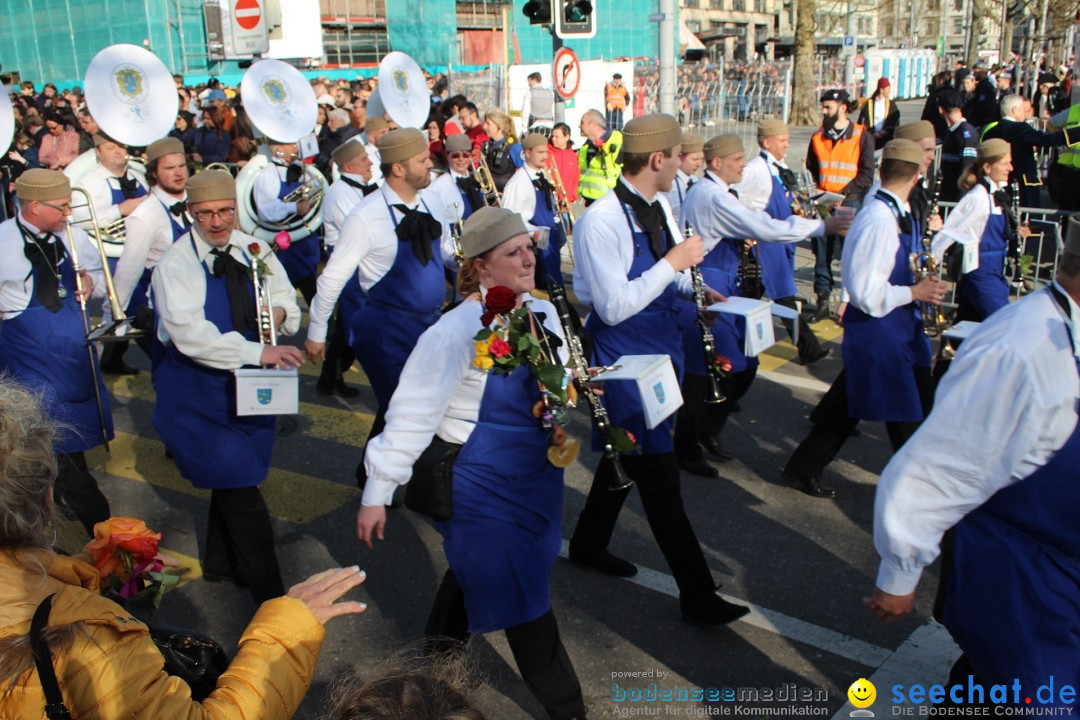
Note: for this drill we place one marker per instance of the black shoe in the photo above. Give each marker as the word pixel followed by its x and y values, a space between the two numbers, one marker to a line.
pixel 822 310
pixel 119 368
pixel 715 450
pixel 710 610
pixel 338 388
pixel 810 486
pixel 821 354
pixel 699 467
pixel 606 563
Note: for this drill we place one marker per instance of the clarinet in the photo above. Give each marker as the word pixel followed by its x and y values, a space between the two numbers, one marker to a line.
pixel 619 480
pixel 1013 252
pixel 712 370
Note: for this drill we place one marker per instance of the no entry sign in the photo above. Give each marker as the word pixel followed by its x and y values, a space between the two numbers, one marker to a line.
pixel 247 14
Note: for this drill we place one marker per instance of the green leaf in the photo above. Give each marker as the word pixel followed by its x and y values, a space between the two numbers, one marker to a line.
pixel 621 441
pixel 482 335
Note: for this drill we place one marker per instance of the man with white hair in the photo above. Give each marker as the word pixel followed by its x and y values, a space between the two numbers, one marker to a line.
pixel 1023 139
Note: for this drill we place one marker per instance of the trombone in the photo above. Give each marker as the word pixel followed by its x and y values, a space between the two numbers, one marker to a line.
pixel 562 203
pixel 264 305
pixel 120 327
pixel 456 228
pixel 310 190
pixel 482 174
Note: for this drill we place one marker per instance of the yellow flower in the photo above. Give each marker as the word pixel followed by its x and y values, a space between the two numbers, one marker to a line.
pixel 482 349
pixel 483 362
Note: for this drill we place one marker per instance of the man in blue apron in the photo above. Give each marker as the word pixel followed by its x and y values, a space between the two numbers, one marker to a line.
pixel 713 210
pixel 691 160
pixel 392 243
pixel 529 192
pixel 116 190
pixel 43 336
pixel 282 176
pixel 630 263
pixel 886 355
pixel 1011 596
pixel 151 230
pixel 208 322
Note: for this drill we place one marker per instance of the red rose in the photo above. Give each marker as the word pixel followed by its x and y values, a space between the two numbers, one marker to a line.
pixel 499 348
pixel 486 318
pixel 254 249
pixel 724 363
pixel 500 299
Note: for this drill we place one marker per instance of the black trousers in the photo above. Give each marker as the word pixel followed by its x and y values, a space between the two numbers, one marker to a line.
pixel 699 419
pixel 537 647
pixel 808 345
pixel 76 489
pixel 307 287
pixel 339 354
pixel 657 479
pixel 833 426
pixel 240 542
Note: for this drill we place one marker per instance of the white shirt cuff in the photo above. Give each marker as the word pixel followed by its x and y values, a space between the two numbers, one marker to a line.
pixel 895 581
pixel 316 331
pixel 251 354
pixel 378 492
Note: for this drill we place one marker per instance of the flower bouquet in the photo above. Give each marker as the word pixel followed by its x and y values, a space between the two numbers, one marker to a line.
pixel 125 553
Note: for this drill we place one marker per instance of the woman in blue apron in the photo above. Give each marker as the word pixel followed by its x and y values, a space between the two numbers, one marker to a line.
pixel 217 450
pixel 504 531
pixel 45 345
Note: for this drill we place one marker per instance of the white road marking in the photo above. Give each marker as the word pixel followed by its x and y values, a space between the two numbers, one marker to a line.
pixel 805 383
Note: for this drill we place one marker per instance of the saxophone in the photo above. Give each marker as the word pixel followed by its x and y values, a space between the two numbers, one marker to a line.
pixel 712 369
pixel 925 265
pixel 619 480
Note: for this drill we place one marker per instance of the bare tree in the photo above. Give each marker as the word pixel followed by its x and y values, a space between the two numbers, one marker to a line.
pixel 804 108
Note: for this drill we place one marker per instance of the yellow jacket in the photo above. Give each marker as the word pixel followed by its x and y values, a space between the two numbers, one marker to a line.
pixel 114 671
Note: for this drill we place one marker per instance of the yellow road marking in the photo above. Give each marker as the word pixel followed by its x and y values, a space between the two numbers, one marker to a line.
pixel 784 352
pixel 290 496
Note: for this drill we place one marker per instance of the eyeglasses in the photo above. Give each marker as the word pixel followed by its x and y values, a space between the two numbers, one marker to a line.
pixel 457 155
pixel 65 208
pixel 205 216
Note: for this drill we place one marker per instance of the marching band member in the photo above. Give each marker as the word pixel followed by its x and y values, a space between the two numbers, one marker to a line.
pixel 713 210
pixel 691 160
pixel 283 175
pixel 393 242
pixel 343 197
pixel 530 193
pixel 983 213
pixel 205 304
pixel 886 355
pixel 457 186
pixel 769 185
pixel 629 268
pixel 375 128
pixel 115 191
pixel 503 534
pixel 154 226
pixel 1011 502
pixel 42 335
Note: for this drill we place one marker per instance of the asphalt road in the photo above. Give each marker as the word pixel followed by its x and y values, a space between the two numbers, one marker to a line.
pixel 804 564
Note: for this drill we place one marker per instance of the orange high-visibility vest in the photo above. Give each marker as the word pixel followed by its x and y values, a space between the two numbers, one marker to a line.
pixel 838 163
pixel 615 97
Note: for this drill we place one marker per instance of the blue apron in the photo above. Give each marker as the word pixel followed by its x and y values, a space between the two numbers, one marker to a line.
pixel 47 351
pixel 777 260
pixel 302 258
pixel 196 415
pixel 1013 600
pixel 504 535
pixel 653 331
pixel 543 216
pixel 466 205
pixel 117 196
pixel 880 353
pixel 986 289
pixel 395 313
pixel 140 297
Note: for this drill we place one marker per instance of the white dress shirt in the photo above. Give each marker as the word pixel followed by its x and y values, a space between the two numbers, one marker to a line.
pixel 446 189
pixel 368 244
pixel 869 258
pixel 879 113
pixel 756 186
pixel 340 200
pixel 100 183
pixel 519 194
pixel 603 254
pixel 179 285
pixel 444 403
pixel 16 283
pixel 968 219
pixel 677 194
pixel 376 162
pixel 148 234
pixel 715 214
pixel 1006 406
pixel 267 186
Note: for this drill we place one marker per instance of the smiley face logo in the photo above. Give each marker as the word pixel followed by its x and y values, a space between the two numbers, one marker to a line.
pixel 862 693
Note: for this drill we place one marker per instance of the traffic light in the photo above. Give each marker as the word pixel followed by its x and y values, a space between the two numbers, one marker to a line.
pixel 538 11
pixel 574 19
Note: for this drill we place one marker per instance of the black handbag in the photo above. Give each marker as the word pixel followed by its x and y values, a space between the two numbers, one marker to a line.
pixel 954 261
pixel 429 490
pixel 190 656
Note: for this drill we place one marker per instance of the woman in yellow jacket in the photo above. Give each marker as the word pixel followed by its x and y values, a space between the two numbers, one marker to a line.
pixel 105 662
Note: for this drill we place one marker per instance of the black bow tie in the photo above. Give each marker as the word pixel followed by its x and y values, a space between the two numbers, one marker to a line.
pixel 651 217
pixel 128 185
pixel 238 287
pixel 294 173
pixel 471 190
pixel 733 191
pixel 541 183
pixel 366 189
pixel 45 254
pixel 420 229
pixel 177 209
pixel 690 183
